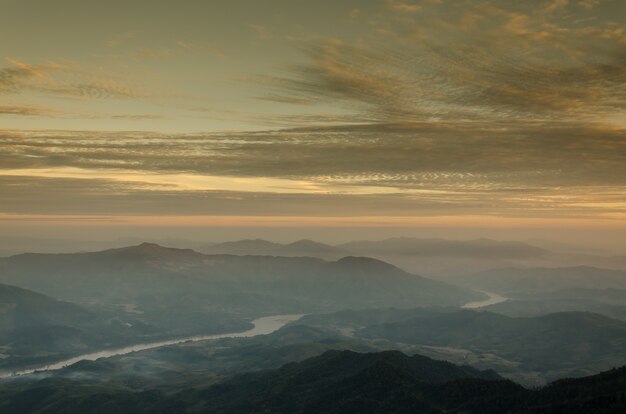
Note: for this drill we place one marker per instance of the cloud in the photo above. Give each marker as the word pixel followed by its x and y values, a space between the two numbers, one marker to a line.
pixel 27 110
pixel 545 169
pixel 482 107
pixel 33 195
pixel 400 6
pixel 58 79
pixel 588 4
pixel 39 111
pixel 14 78
pixel 139 117
pixel 347 75
pixel 407 155
pixel 120 39
pixel 469 60
pixel 556 5
pixel 202 48
pixel 261 31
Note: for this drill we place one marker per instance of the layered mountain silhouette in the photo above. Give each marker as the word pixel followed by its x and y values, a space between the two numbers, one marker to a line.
pixel 262 247
pixel 36 328
pixel 395 246
pixel 524 281
pixel 442 247
pixel 282 283
pixel 531 349
pixel 335 382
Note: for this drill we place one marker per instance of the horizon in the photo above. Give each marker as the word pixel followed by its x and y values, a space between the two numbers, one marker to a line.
pixel 182 239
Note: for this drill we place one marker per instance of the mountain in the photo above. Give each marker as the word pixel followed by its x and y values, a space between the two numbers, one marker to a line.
pixel 603 393
pixel 148 292
pixel 150 276
pixel 480 248
pixel 533 281
pixel 10 246
pixel 441 258
pixel 602 295
pixel 147 252
pixel 311 248
pixel 344 382
pixel 257 247
pixel 391 382
pixel 207 362
pixel 531 350
pixel 550 346
pixel 35 328
pixel 336 382
pixel 444 259
pixel 24 312
pixel 608 302
pixel 260 247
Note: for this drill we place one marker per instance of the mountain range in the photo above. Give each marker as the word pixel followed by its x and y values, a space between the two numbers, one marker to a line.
pixel 533 281
pixel 335 382
pixel 532 350
pixel 432 257
pixel 88 301
pixel 148 273
pixel 36 328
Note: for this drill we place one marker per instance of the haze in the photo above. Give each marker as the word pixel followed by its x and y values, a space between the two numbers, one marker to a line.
pixel 329 207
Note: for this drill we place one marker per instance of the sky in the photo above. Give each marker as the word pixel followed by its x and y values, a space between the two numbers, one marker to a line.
pixel 492 115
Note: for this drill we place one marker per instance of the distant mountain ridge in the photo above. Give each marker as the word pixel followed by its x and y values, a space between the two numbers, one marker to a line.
pixel 283 283
pixel 438 258
pixel 443 247
pixel 396 246
pixel 541 280
pixel 433 257
pixel 262 247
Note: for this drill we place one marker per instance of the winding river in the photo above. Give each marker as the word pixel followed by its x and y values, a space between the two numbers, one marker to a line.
pixel 262 326
pixel 492 300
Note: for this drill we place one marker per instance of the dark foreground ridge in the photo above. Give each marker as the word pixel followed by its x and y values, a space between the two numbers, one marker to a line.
pixel 334 382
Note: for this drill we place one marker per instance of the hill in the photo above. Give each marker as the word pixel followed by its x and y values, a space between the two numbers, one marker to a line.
pixel 608 302
pixel 150 276
pixel 35 328
pixel 335 382
pixel 442 247
pixel 554 345
pixel 533 281
pixel 531 350
pixel 147 292
pixel 260 247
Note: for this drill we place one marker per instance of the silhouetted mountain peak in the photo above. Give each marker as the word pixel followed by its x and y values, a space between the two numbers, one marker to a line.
pixel 307 243
pixel 149 246
pixel 444 247
pixel 366 263
pixel 244 247
pixel 151 251
pixel 249 243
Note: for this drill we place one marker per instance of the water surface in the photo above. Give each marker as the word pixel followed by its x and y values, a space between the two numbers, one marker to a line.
pixel 262 326
pixel 492 300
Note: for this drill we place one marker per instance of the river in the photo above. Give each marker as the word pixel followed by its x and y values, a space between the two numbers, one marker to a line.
pixel 262 326
pixel 492 300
